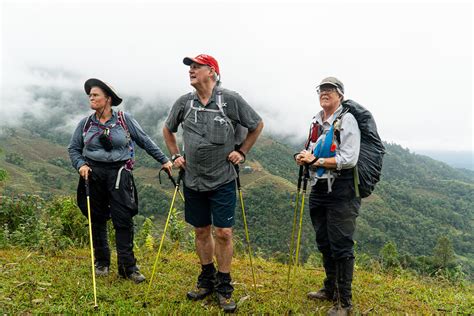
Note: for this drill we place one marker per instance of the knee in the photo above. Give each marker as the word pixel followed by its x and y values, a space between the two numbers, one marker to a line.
pixel 224 234
pixel 202 233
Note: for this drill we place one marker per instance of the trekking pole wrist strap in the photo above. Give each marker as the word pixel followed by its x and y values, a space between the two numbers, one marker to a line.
pixel 242 153
pixel 313 161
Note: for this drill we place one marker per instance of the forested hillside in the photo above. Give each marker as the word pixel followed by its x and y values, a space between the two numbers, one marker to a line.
pixel 418 201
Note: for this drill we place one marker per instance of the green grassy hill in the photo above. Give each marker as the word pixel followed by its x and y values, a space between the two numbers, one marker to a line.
pixel 33 283
pixel 417 201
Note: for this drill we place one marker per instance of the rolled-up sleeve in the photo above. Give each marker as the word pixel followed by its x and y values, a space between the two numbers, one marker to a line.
pixel 176 115
pixel 246 115
pixel 143 140
pixel 76 146
pixel 347 154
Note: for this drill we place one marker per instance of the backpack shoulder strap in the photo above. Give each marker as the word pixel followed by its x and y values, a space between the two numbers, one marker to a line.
pixel 121 121
pixel 188 106
pixel 221 105
pixel 87 125
pixel 337 123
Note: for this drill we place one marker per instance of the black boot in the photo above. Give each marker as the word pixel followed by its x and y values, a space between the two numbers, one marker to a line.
pixel 345 270
pixel 224 292
pixel 101 248
pixel 205 284
pixel 127 264
pixel 327 292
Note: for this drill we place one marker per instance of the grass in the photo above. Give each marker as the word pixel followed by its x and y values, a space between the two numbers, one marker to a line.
pixel 35 283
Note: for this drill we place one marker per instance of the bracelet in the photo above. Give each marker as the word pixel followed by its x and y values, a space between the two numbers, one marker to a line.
pixel 242 153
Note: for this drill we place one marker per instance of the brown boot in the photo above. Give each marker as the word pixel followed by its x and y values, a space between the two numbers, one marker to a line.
pixel 226 302
pixel 205 284
pixel 198 294
pixel 323 294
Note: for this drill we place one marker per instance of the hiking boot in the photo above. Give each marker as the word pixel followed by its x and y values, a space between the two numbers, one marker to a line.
pixel 226 302
pixel 136 277
pixel 205 284
pixel 323 294
pixel 337 310
pixel 198 294
pixel 101 271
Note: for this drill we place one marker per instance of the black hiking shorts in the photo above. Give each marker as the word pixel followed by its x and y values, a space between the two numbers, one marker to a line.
pixel 216 207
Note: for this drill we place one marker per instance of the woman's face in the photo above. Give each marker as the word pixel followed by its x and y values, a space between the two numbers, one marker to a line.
pixel 98 100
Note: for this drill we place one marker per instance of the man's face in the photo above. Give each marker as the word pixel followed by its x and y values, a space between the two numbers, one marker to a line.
pixel 328 96
pixel 199 73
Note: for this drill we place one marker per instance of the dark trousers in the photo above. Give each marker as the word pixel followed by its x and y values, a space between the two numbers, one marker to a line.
pixel 334 220
pixel 334 217
pixel 107 201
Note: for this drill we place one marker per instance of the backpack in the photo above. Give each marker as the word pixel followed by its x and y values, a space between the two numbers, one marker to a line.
pixel 120 121
pixel 240 132
pixel 372 150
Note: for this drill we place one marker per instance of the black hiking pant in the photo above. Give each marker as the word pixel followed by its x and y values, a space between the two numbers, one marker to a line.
pixel 334 220
pixel 112 195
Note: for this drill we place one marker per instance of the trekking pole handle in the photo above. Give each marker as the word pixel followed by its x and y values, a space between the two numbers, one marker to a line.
pixel 306 177
pixel 237 173
pixel 87 187
pixel 180 176
pixel 300 177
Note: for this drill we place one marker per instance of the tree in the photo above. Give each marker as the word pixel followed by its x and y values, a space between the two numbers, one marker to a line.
pixel 389 255
pixel 3 175
pixel 443 252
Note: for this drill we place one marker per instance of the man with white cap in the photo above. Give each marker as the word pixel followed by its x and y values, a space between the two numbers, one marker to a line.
pixel 332 154
pixel 210 118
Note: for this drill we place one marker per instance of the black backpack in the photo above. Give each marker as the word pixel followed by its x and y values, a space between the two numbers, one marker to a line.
pixel 371 153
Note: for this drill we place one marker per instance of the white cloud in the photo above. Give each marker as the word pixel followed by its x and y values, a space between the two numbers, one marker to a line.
pixel 410 63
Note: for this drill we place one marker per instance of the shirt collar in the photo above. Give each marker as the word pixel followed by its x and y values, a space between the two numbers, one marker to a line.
pixel 211 99
pixel 330 120
pixel 112 119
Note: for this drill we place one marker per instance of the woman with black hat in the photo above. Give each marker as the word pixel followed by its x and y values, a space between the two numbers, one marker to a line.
pixel 101 149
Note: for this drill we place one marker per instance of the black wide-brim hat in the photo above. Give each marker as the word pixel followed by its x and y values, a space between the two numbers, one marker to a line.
pixel 116 100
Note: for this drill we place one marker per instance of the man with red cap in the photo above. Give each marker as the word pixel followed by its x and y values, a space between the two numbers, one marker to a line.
pixel 211 118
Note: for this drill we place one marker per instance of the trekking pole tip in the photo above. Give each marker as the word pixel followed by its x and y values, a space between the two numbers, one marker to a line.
pixel 145 305
pixel 96 307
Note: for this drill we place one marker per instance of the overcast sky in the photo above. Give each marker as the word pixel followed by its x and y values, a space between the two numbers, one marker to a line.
pixel 410 63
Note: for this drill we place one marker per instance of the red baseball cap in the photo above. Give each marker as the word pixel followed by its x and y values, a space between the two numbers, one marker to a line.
pixel 203 59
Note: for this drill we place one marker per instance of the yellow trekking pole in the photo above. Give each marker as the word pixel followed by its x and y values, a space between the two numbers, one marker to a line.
pixel 176 190
pixel 292 240
pixel 91 242
pixel 246 227
pixel 298 242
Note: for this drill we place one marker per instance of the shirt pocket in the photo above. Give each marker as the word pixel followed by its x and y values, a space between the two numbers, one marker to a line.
pixel 218 130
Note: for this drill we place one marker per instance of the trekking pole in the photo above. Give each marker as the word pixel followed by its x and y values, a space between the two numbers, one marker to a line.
pixel 298 242
pixel 172 181
pixel 295 214
pixel 91 242
pixel 246 228
pixel 176 189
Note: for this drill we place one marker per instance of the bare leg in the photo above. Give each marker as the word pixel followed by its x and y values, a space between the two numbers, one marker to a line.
pixel 224 248
pixel 204 244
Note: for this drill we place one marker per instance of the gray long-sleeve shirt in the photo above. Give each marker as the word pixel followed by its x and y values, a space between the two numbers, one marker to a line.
pixel 88 145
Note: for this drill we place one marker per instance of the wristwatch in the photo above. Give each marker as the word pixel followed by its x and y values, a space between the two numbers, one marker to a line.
pixel 321 161
pixel 174 157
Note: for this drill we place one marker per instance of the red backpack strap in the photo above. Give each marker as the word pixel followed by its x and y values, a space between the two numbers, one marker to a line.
pixel 314 132
pixel 121 121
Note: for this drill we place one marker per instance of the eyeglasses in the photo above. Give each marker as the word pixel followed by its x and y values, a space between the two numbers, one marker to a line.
pixel 319 90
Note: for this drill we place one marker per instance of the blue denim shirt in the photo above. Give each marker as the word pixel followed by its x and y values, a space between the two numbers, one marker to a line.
pixel 88 146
